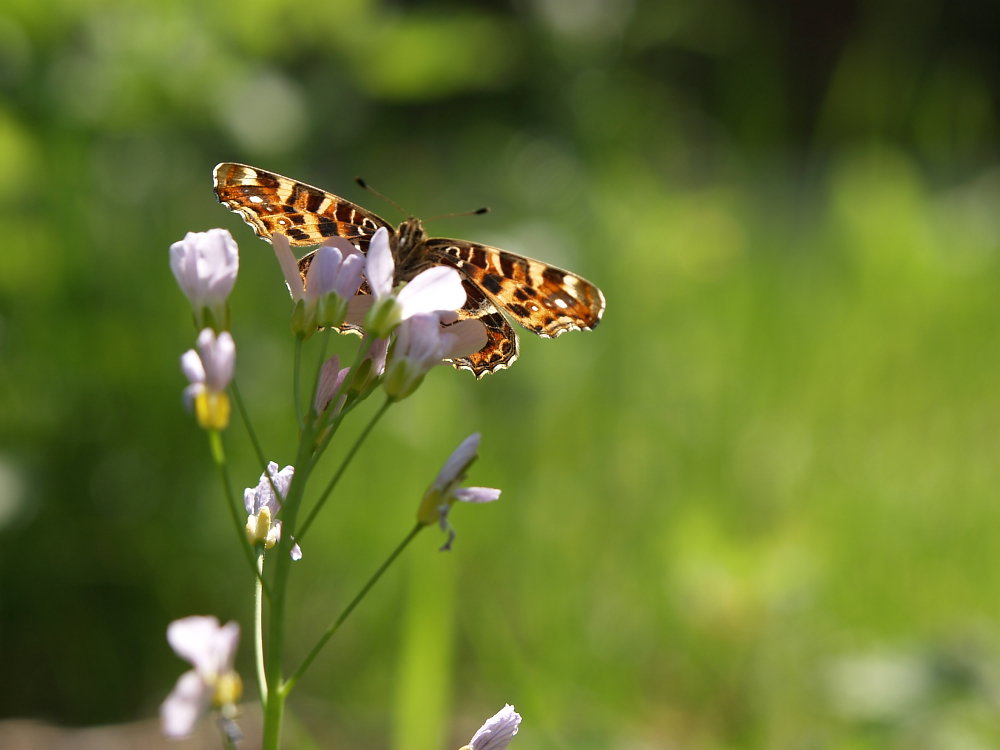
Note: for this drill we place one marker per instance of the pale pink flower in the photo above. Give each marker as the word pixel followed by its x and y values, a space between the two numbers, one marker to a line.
pixel 332 280
pixel 331 380
pixel 263 506
pixel 421 342
pixel 444 491
pixel 436 289
pixel 209 370
pixel 205 266
pixel 497 732
pixel 211 649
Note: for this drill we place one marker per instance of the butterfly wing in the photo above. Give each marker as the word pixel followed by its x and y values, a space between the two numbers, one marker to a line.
pixel 305 214
pixel 544 299
pixel 500 351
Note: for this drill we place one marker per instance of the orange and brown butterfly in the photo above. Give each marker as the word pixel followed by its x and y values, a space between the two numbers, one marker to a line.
pixel 544 299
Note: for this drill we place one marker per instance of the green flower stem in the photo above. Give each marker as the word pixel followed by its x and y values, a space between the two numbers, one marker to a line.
pixel 245 416
pixel 219 457
pixel 274 708
pixel 258 625
pixel 341 469
pixel 296 384
pixel 335 626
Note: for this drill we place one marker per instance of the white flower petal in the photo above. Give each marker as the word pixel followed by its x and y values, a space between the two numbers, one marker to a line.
pixel 218 356
pixel 184 706
pixel 192 367
pixel 205 266
pixel 476 494
pixel 357 308
pixel 469 337
pixel 498 730
pixel 201 641
pixel 454 468
pixel 289 265
pixel 379 265
pixel 437 288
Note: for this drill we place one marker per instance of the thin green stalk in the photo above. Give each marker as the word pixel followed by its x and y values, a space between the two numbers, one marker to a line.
pixel 300 534
pixel 296 384
pixel 258 626
pixel 297 674
pixel 219 457
pixel 245 416
pixel 275 706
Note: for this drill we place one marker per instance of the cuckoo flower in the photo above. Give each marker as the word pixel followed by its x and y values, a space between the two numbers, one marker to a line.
pixel 444 492
pixel 331 381
pixel 422 342
pixel 497 732
pixel 262 506
pixel 210 648
pixel 435 289
pixel 333 278
pixel 209 371
pixel 205 266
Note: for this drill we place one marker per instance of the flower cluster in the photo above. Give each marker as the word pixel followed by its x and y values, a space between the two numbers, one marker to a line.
pixel 411 327
pixel 408 327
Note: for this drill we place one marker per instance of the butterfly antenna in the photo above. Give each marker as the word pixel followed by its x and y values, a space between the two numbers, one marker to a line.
pixel 364 185
pixel 477 212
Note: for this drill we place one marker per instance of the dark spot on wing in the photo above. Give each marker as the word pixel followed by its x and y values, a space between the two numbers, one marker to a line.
pixel 313 201
pixel 491 283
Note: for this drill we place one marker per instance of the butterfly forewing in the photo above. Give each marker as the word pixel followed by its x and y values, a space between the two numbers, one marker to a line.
pixel 544 299
pixel 305 214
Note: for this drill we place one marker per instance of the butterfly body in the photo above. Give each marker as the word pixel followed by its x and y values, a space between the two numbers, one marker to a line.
pixel 546 300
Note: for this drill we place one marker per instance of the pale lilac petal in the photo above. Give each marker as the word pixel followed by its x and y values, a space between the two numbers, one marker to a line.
pixel 201 641
pixel 379 265
pixel 454 468
pixel 419 340
pixel 351 271
pixel 345 246
pixel 323 271
pixel 498 730
pixel 331 378
pixel 476 494
pixel 205 266
pixel 192 367
pixel 357 308
pixel 184 706
pixel 296 552
pixel 437 288
pixel 469 336
pixel 289 265
pixel 191 393
pixel 282 480
pixel 377 354
pixel 218 355
pixel 263 494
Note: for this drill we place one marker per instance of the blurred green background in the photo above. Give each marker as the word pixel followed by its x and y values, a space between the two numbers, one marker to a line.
pixel 756 508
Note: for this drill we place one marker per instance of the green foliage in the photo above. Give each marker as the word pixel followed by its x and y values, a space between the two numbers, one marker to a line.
pixel 755 508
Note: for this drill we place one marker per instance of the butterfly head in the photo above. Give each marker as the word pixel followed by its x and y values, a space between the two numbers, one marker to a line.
pixel 410 236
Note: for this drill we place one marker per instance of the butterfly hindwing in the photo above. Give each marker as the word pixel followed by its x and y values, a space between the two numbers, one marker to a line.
pixel 501 348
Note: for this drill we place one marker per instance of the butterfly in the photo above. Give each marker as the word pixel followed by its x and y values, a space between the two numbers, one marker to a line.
pixel 544 299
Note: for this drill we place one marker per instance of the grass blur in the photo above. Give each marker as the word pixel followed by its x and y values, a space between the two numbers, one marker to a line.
pixel 755 508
